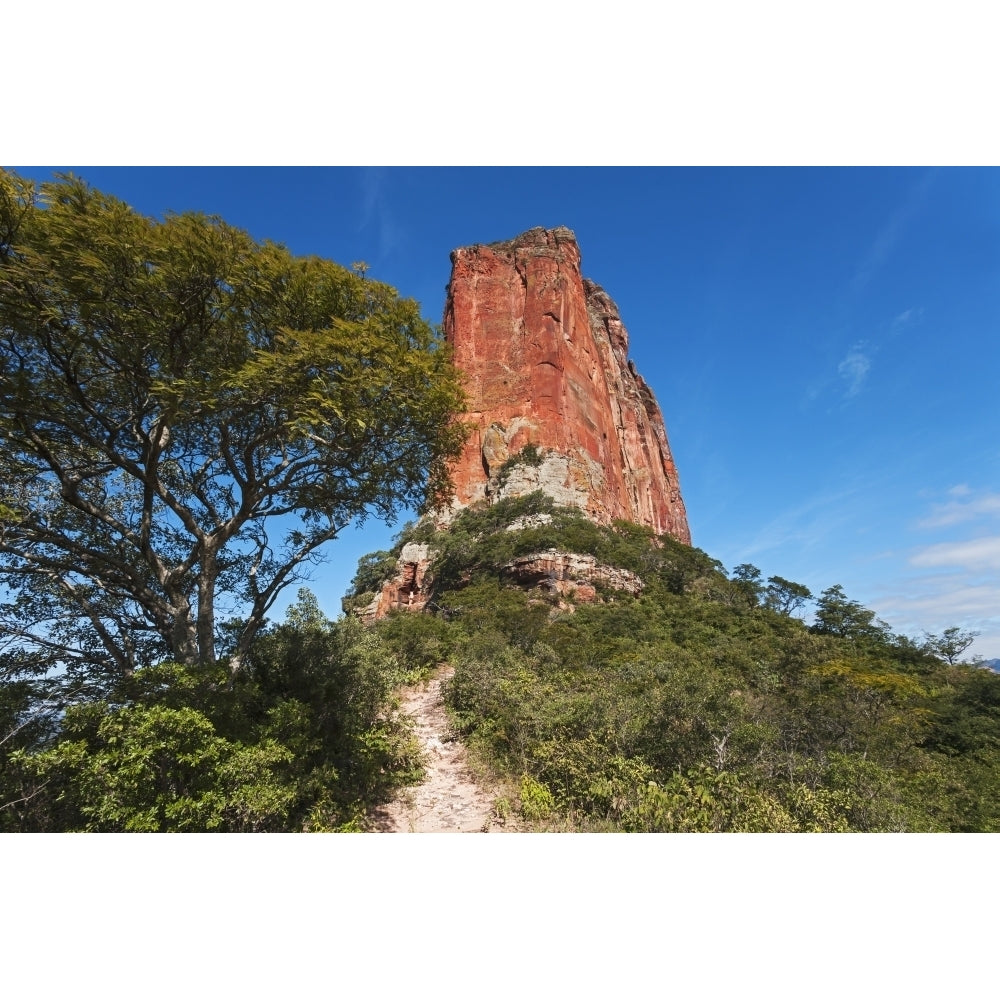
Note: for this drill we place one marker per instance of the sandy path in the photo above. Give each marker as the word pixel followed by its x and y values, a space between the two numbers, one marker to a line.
pixel 449 800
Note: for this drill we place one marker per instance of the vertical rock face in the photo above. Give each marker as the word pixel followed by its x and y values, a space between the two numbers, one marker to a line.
pixel 545 357
pixel 555 405
pixel 406 590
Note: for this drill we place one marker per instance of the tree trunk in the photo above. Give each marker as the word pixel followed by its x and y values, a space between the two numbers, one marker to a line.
pixel 183 638
pixel 206 605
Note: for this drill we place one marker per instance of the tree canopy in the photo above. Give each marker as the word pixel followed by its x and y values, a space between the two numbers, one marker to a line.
pixel 186 416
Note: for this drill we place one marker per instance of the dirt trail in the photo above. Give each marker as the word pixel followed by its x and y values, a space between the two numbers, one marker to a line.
pixel 449 800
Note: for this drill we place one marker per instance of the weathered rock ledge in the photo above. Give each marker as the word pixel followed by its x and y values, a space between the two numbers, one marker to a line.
pixel 409 589
pixel 570 574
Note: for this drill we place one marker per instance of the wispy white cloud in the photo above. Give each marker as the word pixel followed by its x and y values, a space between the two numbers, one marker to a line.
pixel 947 598
pixel 927 588
pixel 878 252
pixel 375 211
pixel 936 601
pixel 888 236
pixel 805 525
pixel 949 580
pixel 905 319
pixel 854 368
pixel 971 554
pixel 952 581
pixel 960 510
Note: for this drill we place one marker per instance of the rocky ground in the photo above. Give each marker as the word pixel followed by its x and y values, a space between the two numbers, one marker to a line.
pixel 451 799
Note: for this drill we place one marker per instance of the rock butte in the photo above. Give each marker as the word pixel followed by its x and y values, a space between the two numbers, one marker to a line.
pixel 544 354
pixel 545 358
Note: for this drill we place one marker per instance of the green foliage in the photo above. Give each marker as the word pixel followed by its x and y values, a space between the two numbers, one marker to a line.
pixel 870 793
pixel 847 619
pixel 702 704
pixel 489 608
pixel 746 583
pixel 966 718
pixel 373 570
pixel 785 596
pixel 706 801
pixel 422 531
pixel 307 737
pixel 419 642
pixel 170 392
pixel 328 690
pixel 951 644
pixel 154 769
pixel 478 544
pixel 537 802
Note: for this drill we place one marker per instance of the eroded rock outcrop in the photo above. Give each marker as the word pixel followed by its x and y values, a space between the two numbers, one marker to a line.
pixel 545 356
pixel 570 574
pixel 554 405
pixel 408 589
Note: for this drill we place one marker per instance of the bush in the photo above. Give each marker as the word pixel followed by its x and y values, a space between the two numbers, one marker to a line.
pixel 306 737
pixel 156 769
pixel 537 802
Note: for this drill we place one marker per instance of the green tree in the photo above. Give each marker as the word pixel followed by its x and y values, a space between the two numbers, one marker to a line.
pixel 186 417
pixel 951 644
pixel 746 579
pixel 785 596
pixel 837 615
pixel 149 768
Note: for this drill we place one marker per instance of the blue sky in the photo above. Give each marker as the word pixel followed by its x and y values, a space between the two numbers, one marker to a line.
pixel 823 343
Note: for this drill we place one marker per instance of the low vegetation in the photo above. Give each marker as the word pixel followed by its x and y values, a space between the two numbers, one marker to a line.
pixel 703 704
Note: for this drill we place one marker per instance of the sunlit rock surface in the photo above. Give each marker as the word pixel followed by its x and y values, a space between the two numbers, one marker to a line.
pixel 545 357
pixel 554 405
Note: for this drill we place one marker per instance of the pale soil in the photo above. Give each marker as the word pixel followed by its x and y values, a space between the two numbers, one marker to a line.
pixel 451 798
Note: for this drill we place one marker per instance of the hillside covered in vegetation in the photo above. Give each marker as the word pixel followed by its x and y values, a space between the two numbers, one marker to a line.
pixel 704 703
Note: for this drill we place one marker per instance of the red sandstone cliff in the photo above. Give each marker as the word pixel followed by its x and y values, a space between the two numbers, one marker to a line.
pixel 545 358
pixel 544 352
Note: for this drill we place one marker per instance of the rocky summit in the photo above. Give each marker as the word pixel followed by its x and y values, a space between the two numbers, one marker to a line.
pixel 554 403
